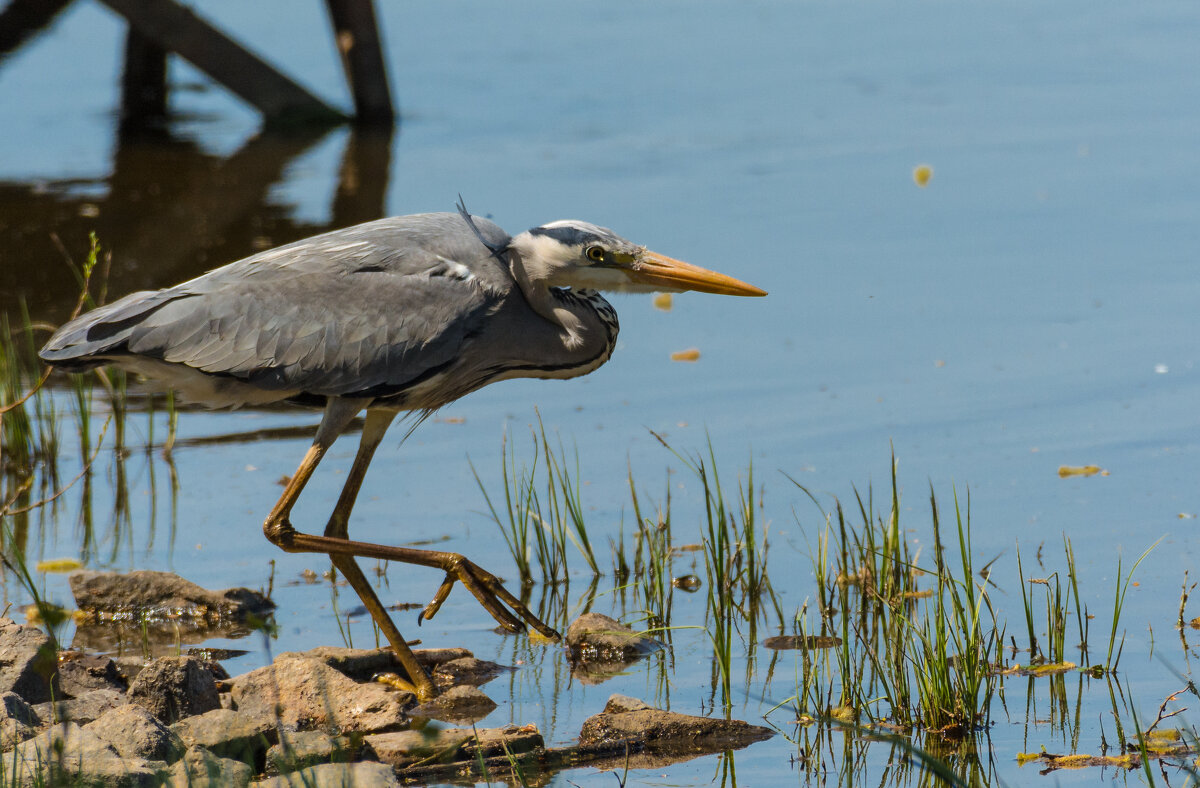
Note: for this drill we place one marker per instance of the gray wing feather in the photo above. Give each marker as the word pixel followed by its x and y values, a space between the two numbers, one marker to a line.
pixel 365 309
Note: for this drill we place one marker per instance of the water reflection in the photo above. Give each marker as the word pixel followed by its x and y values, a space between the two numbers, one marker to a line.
pixel 170 210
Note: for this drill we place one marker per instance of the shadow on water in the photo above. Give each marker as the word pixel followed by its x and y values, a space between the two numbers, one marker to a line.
pixel 170 210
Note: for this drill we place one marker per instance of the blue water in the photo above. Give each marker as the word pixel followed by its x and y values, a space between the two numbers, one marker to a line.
pixel 1033 306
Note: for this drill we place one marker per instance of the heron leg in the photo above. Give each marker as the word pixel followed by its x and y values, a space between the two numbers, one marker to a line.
pixel 280 531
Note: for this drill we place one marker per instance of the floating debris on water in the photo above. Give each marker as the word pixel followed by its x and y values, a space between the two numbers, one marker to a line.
pixel 689 583
pixel 59 565
pixel 1081 470
pixel 802 642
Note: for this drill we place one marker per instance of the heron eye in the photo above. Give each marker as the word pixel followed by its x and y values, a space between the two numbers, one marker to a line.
pixel 595 253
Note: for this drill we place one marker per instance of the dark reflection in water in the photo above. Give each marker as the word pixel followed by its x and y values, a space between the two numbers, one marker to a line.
pixel 170 211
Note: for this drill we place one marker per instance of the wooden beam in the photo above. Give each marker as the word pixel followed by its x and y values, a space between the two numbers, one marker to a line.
pixel 356 35
pixel 177 29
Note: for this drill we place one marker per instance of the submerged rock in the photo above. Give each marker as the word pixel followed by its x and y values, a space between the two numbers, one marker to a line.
pixel 146 595
pixel 463 704
pixel 467 670
pixel 451 745
pixel 172 688
pixel 28 662
pixel 630 722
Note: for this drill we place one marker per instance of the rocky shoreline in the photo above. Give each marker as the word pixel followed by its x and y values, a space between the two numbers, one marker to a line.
pixel 325 717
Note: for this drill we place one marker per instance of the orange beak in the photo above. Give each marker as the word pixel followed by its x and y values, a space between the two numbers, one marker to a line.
pixel 662 271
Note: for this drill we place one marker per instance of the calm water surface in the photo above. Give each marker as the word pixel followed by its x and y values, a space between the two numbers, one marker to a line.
pixel 1034 306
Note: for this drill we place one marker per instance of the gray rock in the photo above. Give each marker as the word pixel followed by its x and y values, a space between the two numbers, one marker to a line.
pixel 79 673
pixel 28 662
pixel 199 768
pixel 19 721
pixel 467 670
pixel 601 647
pixel 14 707
pixel 146 595
pixel 402 749
pixel 172 688
pixel 70 755
pixel 227 734
pixel 306 694
pixel 301 749
pixel 84 709
pixel 361 664
pixel 136 733
pixel 465 704
pixel 596 636
pixel 336 775
pixel 626 721
pixel 130 666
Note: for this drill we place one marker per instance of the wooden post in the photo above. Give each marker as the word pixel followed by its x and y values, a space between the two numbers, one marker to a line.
pixel 356 35
pixel 143 82
pixel 177 29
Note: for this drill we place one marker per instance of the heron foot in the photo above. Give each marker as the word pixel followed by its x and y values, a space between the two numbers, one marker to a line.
pixel 490 592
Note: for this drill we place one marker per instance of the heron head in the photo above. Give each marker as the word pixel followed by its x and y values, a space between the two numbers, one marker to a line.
pixel 573 253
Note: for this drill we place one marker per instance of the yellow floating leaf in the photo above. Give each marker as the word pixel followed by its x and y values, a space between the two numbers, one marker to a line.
pixel 1080 470
pixel 663 301
pixel 1050 669
pixel 538 639
pixel 59 565
pixel 691 354
pixel 922 173
pixel 843 713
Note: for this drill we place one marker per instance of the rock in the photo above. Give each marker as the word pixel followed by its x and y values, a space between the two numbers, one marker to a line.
pixel 129 667
pixel 79 673
pixel 308 748
pixel 199 768
pixel 618 704
pixel 336 775
pixel 19 721
pixel 28 662
pixel 467 670
pixel 172 688
pixel 597 637
pixel 601 647
pixel 136 733
pixel 465 704
pixel 70 755
pixel 308 694
pixel 627 721
pixel 227 734
pixel 361 664
pixel 145 595
pixel 84 709
pixel 404 748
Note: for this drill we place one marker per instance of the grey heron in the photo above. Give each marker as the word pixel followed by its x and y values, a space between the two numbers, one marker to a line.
pixel 401 314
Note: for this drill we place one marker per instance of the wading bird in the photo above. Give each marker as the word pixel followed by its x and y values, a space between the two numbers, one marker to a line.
pixel 401 314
